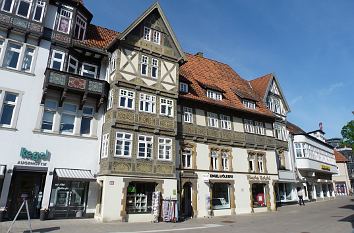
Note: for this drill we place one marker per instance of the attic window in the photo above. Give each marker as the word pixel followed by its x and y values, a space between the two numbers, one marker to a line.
pixel 80 27
pixel 183 87
pixel 152 35
pixel 214 95
pixel 249 104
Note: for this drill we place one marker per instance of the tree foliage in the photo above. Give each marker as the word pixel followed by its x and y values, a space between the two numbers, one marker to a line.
pixel 348 134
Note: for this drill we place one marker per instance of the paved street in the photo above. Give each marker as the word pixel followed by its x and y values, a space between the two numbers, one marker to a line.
pixel 321 217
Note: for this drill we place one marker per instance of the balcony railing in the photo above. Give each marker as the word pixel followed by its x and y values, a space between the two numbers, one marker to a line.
pixel 17 22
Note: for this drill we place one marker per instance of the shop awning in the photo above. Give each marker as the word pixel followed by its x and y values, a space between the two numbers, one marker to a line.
pixel 2 171
pixel 74 174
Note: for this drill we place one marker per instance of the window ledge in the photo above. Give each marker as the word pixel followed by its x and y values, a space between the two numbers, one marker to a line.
pixel 36 131
pixel 17 71
pixel 8 128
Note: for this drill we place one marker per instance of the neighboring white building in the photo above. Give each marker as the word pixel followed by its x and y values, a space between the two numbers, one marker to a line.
pixel 341 180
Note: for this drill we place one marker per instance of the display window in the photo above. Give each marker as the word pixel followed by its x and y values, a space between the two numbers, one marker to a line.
pixel 221 196
pixel 258 195
pixel 284 192
pixel 139 197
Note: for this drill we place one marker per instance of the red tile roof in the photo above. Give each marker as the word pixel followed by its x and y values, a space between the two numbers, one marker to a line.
pixel 294 129
pixel 340 158
pixel 203 73
pixel 98 37
pixel 260 84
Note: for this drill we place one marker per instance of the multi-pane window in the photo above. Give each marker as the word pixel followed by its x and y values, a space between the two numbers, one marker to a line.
pixel 110 100
pixel 147 103
pixel 251 161
pixel 105 145
pixel 214 160
pixel 224 161
pixel 183 87
pixel 147 33
pixel 144 65
pixel 165 148
pixel 274 105
pixel 23 8
pixel 57 62
pixel 214 95
pixel 123 144
pixel 166 107
pixel 87 116
pixel 249 127
pixel 64 20
pixel 260 164
pixel 8 106
pixel 68 118
pixel 154 67
pixel 279 132
pixel 187 115
pixel 28 59
pixel 7 5
pixel 187 157
pixel 249 104
pixel 73 65
pixel 145 145
pixel 259 128
pixel 50 108
pixel 298 150
pixel 156 37
pixel 126 99
pixel 12 56
pixel 17 56
pixel 39 10
pixel 80 27
pixel 225 122
pixel 89 70
pixel 213 120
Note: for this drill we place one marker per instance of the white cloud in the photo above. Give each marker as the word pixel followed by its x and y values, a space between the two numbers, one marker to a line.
pixel 330 89
pixel 296 99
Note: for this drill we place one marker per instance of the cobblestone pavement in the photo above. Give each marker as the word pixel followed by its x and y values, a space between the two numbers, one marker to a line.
pixel 335 216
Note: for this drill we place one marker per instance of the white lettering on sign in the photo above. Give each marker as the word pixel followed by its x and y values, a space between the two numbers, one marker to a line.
pixel 221 176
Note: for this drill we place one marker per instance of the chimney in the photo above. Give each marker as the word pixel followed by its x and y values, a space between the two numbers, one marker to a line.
pixel 199 54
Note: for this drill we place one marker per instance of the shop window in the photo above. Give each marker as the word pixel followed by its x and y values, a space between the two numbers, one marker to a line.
pixel 139 197
pixel 187 157
pixel 39 11
pixel 50 108
pixel 87 116
pixel 187 115
pixel 64 20
pixel 221 196
pixel 23 8
pixel 166 107
pixel 258 195
pixel 214 160
pixel 285 192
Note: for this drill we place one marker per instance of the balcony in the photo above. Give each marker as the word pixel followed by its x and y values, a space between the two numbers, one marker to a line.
pixel 308 164
pixel 20 24
pixel 281 144
pixel 73 83
pixel 286 175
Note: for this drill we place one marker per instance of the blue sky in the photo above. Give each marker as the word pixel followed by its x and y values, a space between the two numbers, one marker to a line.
pixel 308 45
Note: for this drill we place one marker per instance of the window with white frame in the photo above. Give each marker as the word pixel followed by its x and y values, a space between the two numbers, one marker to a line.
pixel 154 68
pixel 2 44
pixel 213 120
pixel 225 122
pixel 88 70
pixel 214 95
pixel 39 11
pixel 249 104
pixel 123 144
pixel 110 99
pixel 156 37
pixel 7 5
pixel 187 157
pixel 28 59
pixel 87 116
pixel 183 87
pixel 105 146
pixel 214 160
pixel 50 108
pixel 73 65
pixel 8 101
pixel 113 62
pixel 279 132
pixel 187 115
pixel 145 146
pixel 165 148
pixel 126 99
pixel 298 150
pixel 12 56
pixel 260 163
pixel 68 118
pixel 23 8
pixel 224 161
pixel 251 161
pixel 249 127
pixel 259 128
pixel 166 107
pixel 147 33
pixel 144 65
pixel 57 61
pixel 147 103
pixel 64 20
pixel 80 27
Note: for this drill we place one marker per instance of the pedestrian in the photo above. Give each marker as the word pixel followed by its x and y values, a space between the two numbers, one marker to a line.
pixel 301 196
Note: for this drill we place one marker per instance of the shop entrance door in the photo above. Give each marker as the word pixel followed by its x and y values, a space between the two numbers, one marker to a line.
pixel 31 184
pixel 187 200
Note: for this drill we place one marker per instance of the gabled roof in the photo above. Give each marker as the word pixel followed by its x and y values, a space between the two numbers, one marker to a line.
pixel 263 84
pixel 340 158
pixel 155 6
pixel 294 129
pixel 201 72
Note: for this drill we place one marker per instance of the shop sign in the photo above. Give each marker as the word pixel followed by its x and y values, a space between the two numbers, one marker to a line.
pixel 221 176
pixel 325 167
pixel 258 178
pixel 36 157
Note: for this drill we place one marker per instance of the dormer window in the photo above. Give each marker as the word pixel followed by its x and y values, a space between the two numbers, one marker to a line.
pixel 7 5
pixel 23 8
pixel 249 104
pixel 80 27
pixel 39 10
pixel 156 37
pixel 64 20
pixel 183 87
pixel 214 95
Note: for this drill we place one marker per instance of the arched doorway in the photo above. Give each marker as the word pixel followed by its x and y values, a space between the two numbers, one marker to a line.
pixel 187 209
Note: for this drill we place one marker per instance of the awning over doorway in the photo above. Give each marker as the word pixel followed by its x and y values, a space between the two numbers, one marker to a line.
pixel 74 174
pixel 2 171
